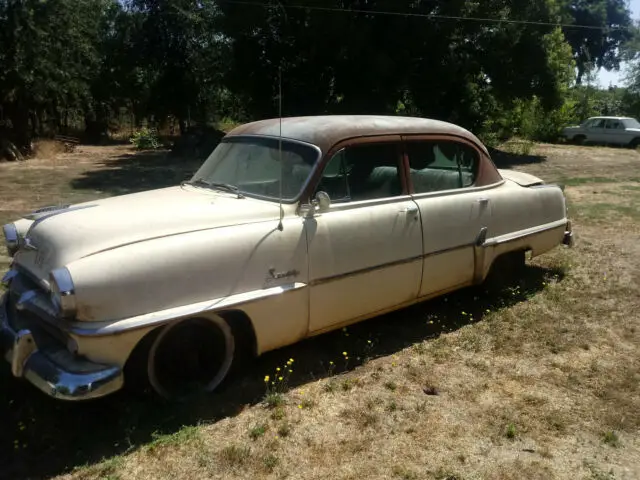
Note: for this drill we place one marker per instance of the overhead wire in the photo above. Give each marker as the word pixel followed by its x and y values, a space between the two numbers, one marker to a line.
pixel 432 16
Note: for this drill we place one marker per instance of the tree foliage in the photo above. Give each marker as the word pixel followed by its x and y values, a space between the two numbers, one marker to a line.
pixel 202 60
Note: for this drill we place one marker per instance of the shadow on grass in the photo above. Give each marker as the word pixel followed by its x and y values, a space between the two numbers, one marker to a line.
pixel 137 172
pixel 42 437
pixel 504 159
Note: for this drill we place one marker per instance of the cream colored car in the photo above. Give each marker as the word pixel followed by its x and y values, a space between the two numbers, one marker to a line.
pixel 289 229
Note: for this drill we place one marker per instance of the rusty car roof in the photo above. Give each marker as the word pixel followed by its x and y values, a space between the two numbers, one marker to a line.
pixel 325 131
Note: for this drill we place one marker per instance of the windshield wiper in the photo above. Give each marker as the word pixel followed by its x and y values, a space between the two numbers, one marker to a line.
pixel 226 186
pixel 215 185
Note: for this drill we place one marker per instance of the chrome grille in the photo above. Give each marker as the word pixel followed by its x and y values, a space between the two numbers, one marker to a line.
pixel 37 316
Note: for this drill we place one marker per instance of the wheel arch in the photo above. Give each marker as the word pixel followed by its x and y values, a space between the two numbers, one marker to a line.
pixel 242 329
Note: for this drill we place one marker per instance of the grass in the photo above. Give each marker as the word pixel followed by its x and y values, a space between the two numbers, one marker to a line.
pixel 534 379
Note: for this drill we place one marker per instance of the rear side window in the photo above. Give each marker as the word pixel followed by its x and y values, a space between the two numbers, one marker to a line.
pixel 442 165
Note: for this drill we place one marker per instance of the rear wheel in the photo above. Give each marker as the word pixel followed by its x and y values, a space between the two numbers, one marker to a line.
pixel 186 358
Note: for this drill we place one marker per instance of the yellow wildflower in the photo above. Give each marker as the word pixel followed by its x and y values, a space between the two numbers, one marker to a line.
pixel 344 353
pixel 266 378
pixel 280 378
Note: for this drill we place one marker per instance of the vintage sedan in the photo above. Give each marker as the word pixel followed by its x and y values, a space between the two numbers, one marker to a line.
pixel 292 227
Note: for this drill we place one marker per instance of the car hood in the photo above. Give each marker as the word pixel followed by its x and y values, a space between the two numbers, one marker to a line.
pixel 59 237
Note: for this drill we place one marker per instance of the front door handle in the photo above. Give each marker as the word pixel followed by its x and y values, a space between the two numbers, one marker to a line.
pixel 412 210
pixel 483 201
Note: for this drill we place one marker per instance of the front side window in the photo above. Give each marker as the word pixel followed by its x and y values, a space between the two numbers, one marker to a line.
pixel 596 123
pixel 442 165
pixel 362 172
pixel 258 167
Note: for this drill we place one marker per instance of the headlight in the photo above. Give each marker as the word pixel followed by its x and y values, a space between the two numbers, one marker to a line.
pixel 63 294
pixel 11 238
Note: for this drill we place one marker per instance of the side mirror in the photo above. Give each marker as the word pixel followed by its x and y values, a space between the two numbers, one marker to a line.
pixel 323 201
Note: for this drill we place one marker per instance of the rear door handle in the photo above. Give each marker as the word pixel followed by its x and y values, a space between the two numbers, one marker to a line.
pixel 483 201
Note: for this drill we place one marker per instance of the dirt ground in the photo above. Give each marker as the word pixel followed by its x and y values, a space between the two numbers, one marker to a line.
pixel 538 379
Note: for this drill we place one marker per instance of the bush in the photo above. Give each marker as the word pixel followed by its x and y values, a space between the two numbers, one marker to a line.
pixel 145 139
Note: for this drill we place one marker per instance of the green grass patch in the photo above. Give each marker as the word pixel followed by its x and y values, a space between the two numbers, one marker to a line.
pixel 606 211
pixel 578 181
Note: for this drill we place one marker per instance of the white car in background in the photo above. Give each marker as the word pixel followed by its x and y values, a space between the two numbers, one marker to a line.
pixel 605 130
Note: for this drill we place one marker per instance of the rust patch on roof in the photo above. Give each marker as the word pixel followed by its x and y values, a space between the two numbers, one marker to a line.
pixel 324 131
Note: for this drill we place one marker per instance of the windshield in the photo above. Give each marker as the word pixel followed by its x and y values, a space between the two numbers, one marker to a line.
pixel 253 166
pixel 631 123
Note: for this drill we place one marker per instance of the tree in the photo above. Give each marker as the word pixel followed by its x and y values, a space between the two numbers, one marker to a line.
pixel 48 53
pixel 182 53
pixel 602 45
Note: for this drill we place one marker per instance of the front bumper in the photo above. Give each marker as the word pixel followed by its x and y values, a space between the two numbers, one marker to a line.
pixel 48 364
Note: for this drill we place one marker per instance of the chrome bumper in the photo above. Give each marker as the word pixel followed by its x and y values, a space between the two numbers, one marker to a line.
pixel 568 236
pixel 89 380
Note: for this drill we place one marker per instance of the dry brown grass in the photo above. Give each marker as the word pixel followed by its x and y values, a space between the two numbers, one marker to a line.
pixel 545 386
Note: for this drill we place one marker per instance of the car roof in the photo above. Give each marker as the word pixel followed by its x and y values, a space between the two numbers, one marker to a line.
pixel 325 131
pixel 610 118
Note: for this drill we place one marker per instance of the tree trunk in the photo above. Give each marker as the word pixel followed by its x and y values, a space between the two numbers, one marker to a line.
pixel 9 151
pixel 21 130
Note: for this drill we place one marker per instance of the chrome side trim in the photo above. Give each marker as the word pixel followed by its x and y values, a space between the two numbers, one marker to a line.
pixel 361 271
pixel 510 237
pixel 98 329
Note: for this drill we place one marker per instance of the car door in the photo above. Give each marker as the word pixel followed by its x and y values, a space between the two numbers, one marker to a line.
pixel 615 132
pixel 595 131
pixel 442 176
pixel 365 250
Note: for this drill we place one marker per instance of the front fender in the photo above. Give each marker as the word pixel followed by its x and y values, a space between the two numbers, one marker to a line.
pixel 278 318
pixel 188 269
